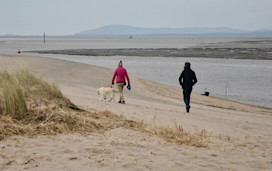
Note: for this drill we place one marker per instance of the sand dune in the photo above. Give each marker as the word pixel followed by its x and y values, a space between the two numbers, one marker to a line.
pixel 238 135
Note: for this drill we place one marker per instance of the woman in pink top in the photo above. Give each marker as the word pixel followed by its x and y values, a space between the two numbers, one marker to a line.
pixel 122 75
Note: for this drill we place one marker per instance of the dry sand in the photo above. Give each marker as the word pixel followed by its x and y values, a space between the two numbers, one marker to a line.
pixel 240 135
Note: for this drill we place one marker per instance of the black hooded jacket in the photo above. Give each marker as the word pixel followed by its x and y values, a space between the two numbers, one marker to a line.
pixel 187 78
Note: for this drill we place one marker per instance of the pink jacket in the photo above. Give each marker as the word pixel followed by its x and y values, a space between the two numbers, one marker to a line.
pixel 121 73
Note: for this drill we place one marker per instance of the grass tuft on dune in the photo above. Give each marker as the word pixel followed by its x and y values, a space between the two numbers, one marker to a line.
pixel 30 106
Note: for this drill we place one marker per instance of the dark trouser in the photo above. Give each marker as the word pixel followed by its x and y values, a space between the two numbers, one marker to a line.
pixel 186 97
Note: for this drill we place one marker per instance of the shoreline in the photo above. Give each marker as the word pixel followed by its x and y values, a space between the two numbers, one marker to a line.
pixel 19 62
pixel 236 101
pixel 227 66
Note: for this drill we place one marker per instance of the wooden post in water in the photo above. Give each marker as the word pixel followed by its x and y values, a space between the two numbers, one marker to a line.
pixel 43 37
pixel 226 93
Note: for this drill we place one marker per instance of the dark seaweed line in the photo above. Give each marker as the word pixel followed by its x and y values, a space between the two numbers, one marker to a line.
pixel 232 53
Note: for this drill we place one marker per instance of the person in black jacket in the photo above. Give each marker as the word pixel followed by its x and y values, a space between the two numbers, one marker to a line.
pixel 187 80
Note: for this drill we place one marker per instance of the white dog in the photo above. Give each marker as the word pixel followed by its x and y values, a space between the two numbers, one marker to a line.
pixel 106 92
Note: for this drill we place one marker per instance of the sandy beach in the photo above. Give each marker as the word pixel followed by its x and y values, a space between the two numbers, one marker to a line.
pixel 238 136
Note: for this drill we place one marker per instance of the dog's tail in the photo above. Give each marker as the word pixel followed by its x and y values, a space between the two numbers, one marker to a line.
pixel 98 91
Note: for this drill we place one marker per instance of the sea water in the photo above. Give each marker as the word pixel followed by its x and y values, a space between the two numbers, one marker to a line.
pixel 242 80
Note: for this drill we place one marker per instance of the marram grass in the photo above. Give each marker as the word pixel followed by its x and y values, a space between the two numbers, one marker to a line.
pixel 17 87
pixel 13 102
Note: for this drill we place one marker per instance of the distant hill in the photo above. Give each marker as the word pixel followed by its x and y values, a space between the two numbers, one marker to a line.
pixel 123 30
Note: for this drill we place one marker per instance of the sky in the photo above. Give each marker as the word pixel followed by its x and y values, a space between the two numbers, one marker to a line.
pixel 65 17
